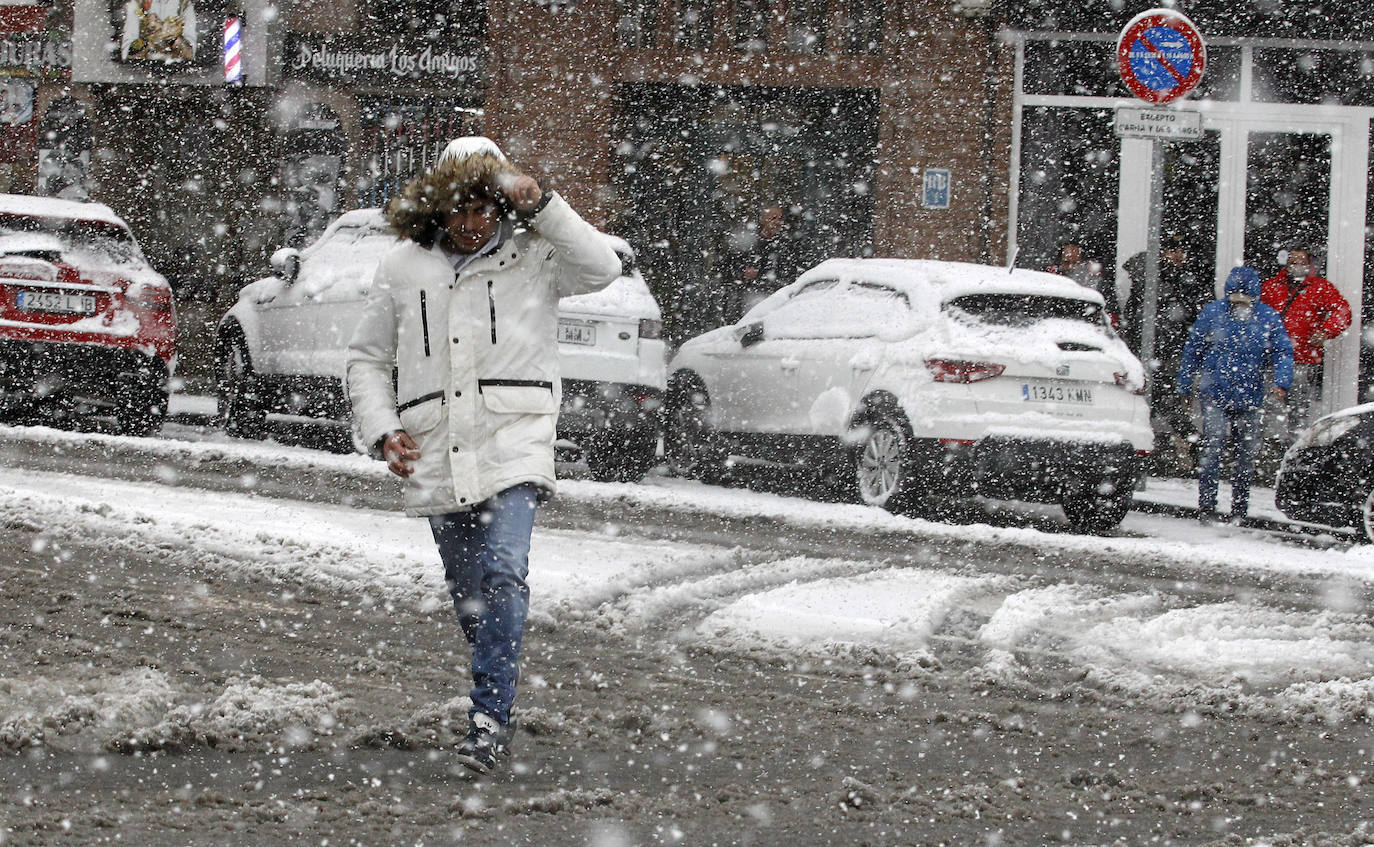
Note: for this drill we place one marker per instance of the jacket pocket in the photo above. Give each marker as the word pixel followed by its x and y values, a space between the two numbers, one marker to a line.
pixel 423 413
pixel 517 396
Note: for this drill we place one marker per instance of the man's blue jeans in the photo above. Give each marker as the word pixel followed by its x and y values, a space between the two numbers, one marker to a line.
pixel 486 555
pixel 1243 428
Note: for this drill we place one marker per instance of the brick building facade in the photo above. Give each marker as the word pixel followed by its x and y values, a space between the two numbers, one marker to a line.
pixel 670 123
pixel 674 122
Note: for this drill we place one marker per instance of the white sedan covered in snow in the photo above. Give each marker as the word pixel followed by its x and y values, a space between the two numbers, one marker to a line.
pixel 281 348
pixel 913 381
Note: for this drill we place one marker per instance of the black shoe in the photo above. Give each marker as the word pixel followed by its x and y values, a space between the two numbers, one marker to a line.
pixel 486 743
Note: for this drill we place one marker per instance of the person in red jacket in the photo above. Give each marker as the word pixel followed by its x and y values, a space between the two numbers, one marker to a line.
pixel 1313 312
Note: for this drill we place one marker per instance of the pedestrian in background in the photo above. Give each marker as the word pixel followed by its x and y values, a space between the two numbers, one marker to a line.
pixel 464 313
pixel 1313 312
pixel 758 261
pixel 1232 349
pixel 1181 295
pixel 1079 268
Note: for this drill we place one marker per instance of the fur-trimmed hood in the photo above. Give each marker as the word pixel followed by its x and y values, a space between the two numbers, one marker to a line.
pixel 418 211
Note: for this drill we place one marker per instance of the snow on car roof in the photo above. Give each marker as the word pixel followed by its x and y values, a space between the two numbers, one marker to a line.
pixel 627 296
pixel 52 207
pixel 924 279
pixel 29 242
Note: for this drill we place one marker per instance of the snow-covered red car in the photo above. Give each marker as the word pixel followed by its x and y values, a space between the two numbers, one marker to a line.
pixel 87 327
pixel 913 381
pixel 280 349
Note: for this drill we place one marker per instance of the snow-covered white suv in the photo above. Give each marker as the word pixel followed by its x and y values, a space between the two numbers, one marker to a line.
pixel 281 347
pixel 909 381
pixel 88 329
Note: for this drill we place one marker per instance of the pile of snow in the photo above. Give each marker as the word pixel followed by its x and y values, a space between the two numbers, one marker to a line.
pixel 1238 655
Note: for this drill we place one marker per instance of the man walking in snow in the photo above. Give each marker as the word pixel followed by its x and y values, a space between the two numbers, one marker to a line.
pixel 1233 346
pixel 464 313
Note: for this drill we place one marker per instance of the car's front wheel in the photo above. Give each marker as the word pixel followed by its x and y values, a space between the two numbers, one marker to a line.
pixel 883 462
pixel 240 408
pixel 693 446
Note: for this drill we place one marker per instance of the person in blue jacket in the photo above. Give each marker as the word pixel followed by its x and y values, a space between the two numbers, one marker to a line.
pixel 1235 347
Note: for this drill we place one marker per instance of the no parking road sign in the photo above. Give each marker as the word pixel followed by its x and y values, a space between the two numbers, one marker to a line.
pixel 1161 55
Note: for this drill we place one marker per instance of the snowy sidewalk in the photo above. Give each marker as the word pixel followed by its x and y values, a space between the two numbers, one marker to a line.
pixel 1163 496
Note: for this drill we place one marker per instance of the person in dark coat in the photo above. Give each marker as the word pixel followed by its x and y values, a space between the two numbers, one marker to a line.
pixel 1181 295
pixel 765 261
pixel 1232 348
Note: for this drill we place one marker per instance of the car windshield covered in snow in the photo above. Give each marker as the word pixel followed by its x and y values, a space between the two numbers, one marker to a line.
pixel 84 242
pixel 1019 310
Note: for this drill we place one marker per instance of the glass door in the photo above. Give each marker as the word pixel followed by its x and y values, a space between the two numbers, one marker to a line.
pixel 1254 186
pixel 1287 197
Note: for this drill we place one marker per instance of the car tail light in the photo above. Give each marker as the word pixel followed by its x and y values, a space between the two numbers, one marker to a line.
pixel 154 298
pixel 955 370
pixel 1124 381
pixel 649 328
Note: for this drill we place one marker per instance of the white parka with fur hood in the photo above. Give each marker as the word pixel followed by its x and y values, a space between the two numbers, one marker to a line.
pixel 475 356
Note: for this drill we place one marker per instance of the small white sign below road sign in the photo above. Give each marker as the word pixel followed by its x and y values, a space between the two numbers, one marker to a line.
pixel 1165 124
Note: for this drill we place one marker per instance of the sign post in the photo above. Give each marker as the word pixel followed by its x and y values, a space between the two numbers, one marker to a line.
pixel 1161 57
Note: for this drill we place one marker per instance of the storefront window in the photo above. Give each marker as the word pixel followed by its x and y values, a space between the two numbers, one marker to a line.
pixel 700 166
pixel 1221 80
pixel 864 27
pixel 806 23
pixel 426 17
pixel 1287 196
pixel 1082 68
pixel 636 23
pixel 1314 76
pixel 64 151
pixel 1070 169
pixel 749 26
pixel 402 137
pixel 1089 69
pixel 694 24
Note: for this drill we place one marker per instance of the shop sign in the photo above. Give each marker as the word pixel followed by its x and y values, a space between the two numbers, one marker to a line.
pixel 384 61
pixel 33 55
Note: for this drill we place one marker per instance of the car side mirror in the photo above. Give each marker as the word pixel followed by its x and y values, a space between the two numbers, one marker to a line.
pixel 287 263
pixel 749 334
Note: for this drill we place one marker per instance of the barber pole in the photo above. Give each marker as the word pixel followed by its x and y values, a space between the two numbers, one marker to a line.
pixel 233 68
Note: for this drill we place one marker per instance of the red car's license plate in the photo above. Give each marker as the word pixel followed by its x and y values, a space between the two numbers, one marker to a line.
pixel 56 301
